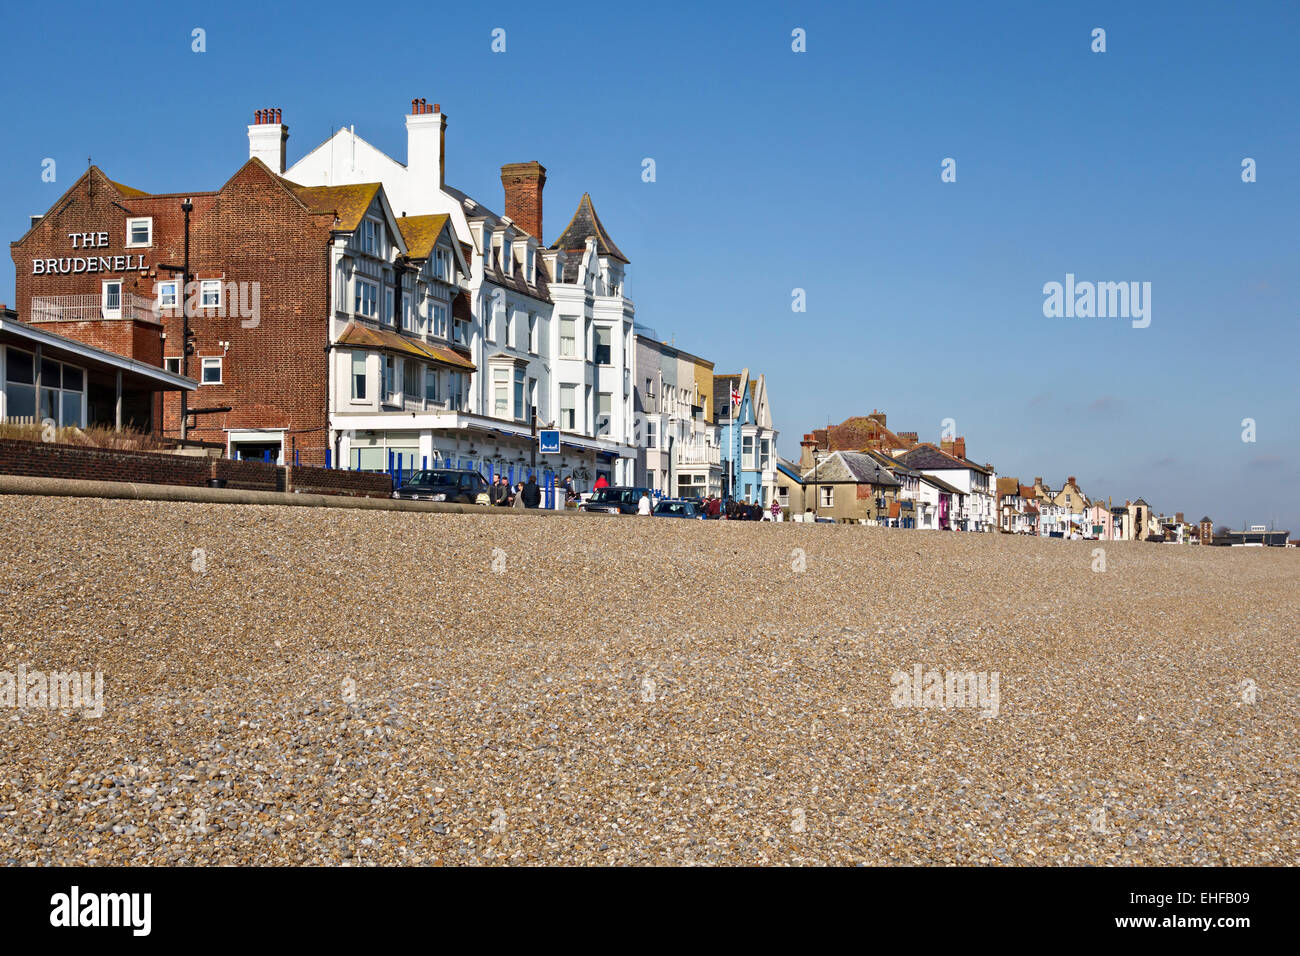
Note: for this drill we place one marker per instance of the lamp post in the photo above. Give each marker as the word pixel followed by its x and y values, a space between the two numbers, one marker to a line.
pixel 186 207
pixel 182 295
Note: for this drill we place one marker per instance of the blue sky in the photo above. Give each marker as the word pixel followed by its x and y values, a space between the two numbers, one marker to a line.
pixel 820 170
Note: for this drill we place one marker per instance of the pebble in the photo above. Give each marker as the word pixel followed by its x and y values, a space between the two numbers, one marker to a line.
pixel 636 692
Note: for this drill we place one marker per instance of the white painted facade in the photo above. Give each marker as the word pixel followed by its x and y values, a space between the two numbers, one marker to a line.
pixel 513 334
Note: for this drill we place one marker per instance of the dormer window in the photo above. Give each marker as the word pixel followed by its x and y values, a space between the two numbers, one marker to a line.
pixel 528 264
pixel 366 239
pixel 441 265
pixel 507 257
pixel 139 232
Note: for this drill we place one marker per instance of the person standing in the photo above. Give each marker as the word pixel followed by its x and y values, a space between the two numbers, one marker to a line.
pixel 776 510
pixel 517 501
pixel 643 506
pixel 531 493
pixel 498 492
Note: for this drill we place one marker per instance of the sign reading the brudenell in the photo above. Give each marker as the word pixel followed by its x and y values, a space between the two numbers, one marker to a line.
pixel 76 265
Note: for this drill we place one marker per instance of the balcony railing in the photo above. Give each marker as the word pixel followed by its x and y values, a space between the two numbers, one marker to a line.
pixel 90 308
pixel 690 453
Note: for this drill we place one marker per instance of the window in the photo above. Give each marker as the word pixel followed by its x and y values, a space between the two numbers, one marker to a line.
pixel 439 320
pixel 528 263
pixel 568 407
pixel 410 378
pixel 764 454
pixel 407 315
pixel 828 496
pixel 604 412
pixel 501 392
pixel 457 387
pixel 462 332
pixel 521 410
pixel 112 299
pixel 783 495
pixel 366 298
pixel 390 380
pixel 532 332
pixel 512 329
pixel 366 239
pixel 210 293
pixel 651 433
pixel 358 376
pixel 441 265
pixel 431 384
pixel 747 452
pixel 167 295
pixel 139 232
pixel 20 384
pixel 603 348
pixel 172 363
pixel 568 336
pixel 388 306
pixel 211 371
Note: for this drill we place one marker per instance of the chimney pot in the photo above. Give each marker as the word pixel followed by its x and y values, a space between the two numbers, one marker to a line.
pixel 436 108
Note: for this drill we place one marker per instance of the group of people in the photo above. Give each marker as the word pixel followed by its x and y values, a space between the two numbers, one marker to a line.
pixel 525 494
pixel 733 510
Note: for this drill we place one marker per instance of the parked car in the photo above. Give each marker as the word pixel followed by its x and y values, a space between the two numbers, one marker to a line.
pixel 615 500
pixel 444 484
pixel 677 508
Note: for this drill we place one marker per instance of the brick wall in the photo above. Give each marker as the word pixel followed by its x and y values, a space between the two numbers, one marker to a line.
pixel 56 460
pixel 253 230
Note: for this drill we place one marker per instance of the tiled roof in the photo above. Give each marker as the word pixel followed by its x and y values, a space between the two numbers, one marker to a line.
pixel 853 467
pixel 927 456
pixel 584 224
pixel 362 336
pixel 893 464
pixel 858 433
pixel 942 485
pixel 421 233
pixel 128 190
pixel 348 203
pixel 1008 486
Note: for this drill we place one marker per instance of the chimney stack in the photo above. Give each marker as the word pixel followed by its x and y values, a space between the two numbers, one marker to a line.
pixel 523 183
pixel 959 448
pixel 267 139
pixel 426 141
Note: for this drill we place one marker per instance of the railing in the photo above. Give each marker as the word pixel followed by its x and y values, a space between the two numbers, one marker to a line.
pixel 90 308
pixel 697 454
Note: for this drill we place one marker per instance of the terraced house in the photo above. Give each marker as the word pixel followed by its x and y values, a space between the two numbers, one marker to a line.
pixel 680 451
pixel 548 331
pixel 747 436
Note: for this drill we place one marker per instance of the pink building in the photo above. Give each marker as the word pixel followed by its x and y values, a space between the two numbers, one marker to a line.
pixel 1098 522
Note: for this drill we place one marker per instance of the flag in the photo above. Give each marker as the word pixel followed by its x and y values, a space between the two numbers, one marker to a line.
pixel 735 397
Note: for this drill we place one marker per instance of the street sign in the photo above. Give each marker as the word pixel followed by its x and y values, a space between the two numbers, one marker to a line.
pixel 548 441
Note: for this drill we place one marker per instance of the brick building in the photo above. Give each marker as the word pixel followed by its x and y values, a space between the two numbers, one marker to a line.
pixel 92 269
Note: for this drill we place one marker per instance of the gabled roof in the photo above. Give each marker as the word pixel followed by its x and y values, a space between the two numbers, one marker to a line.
pixel 789 469
pixel 927 456
pixel 850 467
pixel 888 461
pixel 348 203
pixel 584 224
pixel 942 485
pixel 421 233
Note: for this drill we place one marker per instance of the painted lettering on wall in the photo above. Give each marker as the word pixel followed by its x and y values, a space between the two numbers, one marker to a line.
pixel 76 265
